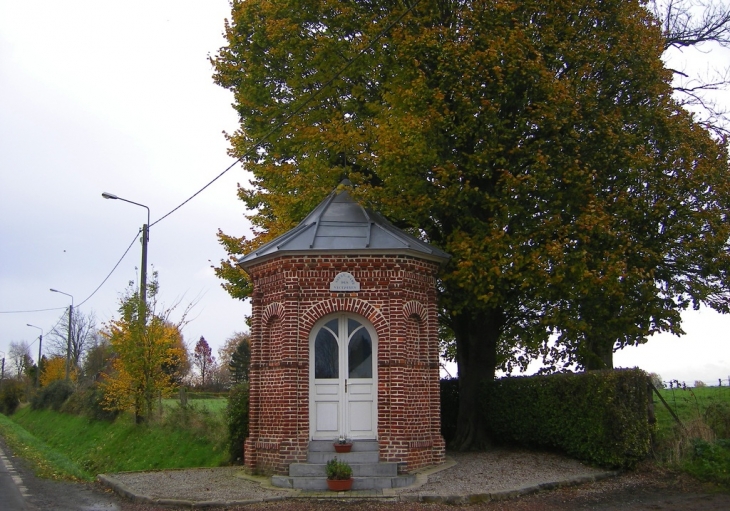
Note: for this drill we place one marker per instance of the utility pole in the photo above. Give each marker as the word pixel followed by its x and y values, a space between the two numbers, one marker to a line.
pixel 143 271
pixel 40 348
pixel 68 346
pixel 70 323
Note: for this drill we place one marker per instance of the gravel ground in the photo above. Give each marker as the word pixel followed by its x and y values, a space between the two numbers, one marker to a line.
pixel 647 488
pixel 465 477
pixel 481 473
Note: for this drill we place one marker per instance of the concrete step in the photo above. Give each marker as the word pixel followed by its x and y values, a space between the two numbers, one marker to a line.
pixel 358 469
pixel 351 457
pixel 364 458
pixel 357 446
pixel 359 483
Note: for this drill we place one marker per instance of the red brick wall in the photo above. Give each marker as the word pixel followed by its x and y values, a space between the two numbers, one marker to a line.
pixel 398 296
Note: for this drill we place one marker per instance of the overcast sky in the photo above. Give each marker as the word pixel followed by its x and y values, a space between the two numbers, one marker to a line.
pixel 118 97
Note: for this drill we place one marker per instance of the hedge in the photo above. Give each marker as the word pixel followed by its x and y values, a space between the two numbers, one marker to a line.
pixel 599 417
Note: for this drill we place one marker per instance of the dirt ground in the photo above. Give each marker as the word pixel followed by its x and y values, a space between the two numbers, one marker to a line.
pixel 647 488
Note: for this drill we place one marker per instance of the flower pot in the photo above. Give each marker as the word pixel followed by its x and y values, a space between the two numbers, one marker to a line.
pixel 339 484
pixel 342 447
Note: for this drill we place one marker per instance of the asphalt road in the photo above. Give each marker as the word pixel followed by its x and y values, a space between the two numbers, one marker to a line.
pixel 20 490
pixel 11 486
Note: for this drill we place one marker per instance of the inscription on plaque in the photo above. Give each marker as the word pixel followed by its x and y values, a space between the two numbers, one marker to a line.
pixel 344 282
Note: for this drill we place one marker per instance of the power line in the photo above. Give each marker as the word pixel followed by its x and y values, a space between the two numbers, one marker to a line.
pixel 286 119
pixel 92 294
pixel 110 273
pixel 34 310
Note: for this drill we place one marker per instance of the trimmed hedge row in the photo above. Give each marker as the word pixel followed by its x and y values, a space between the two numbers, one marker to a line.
pixel 600 416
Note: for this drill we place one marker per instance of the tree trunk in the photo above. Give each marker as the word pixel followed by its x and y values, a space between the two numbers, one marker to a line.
pixel 476 347
pixel 596 353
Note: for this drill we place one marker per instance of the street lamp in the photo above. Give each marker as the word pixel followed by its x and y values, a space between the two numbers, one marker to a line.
pixel 145 239
pixel 70 318
pixel 40 344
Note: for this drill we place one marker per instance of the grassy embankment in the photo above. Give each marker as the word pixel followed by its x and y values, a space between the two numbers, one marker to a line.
pixel 69 446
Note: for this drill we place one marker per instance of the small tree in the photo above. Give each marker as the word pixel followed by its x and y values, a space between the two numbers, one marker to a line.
pixel 146 344
pixel 203 358
pixel 240 359
pixel 20 359
pixel 84 335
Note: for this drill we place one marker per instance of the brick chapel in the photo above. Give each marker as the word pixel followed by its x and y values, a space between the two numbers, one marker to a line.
pixel 344 340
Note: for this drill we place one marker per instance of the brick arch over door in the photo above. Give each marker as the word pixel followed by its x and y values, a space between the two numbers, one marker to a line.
pixel 353 305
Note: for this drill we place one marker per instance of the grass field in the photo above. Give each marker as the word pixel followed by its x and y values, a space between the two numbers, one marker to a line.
pixel 212 405
pixel 689 404
pixel 697 440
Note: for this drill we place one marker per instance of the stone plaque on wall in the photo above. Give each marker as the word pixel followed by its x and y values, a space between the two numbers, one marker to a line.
pixel 344 282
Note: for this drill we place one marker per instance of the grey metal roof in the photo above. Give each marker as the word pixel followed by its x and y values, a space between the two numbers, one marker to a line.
pixel 340 224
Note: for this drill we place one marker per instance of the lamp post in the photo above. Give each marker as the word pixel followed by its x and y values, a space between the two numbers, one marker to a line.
pixel 70 321
pixel 40 345
pixel 145 239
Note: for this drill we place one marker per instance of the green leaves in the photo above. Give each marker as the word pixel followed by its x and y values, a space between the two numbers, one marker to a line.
pixel 536 142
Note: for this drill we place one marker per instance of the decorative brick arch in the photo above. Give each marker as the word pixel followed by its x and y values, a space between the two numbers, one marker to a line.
pixel 414 308
pixel 353 305
pixel 271 311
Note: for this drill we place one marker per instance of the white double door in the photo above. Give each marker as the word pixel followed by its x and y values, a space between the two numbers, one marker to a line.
pixel 343 379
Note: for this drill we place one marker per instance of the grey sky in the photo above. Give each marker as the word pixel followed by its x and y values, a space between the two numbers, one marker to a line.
pixel 118 97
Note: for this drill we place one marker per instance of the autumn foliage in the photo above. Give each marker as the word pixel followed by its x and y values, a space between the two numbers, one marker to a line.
pixel 55 369
pixel 537 142
pixel 148 356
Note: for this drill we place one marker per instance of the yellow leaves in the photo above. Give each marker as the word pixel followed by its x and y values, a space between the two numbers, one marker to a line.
pixel 55 369
pixel 149 356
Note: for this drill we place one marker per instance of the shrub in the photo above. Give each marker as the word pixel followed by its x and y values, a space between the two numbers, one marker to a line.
pixel 599 417
pixel 717 417
pixel 710 461
pixel 52 396
pixel 656 380
pixel 237 420
pixel 11 391
pixel 89 402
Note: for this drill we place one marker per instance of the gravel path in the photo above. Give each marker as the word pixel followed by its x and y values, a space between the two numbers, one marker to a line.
pixel 465 477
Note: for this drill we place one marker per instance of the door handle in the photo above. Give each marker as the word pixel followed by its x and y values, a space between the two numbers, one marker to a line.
pixel 345 386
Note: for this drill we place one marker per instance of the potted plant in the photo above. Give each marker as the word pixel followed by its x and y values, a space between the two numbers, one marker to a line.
pixel 343 445
pixel 339 475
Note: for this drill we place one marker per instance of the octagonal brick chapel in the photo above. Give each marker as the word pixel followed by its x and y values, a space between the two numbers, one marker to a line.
pixel 344 340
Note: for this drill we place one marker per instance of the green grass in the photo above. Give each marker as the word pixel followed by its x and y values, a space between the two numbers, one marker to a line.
pixel 46 462
pixel 698 444
pixel 688 404
pixel 213 405
pixel 185 438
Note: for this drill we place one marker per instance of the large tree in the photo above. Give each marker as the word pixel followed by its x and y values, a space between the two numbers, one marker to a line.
pixel 537 142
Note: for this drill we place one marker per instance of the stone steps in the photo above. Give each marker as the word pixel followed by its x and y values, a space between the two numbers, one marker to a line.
pixel 364 458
